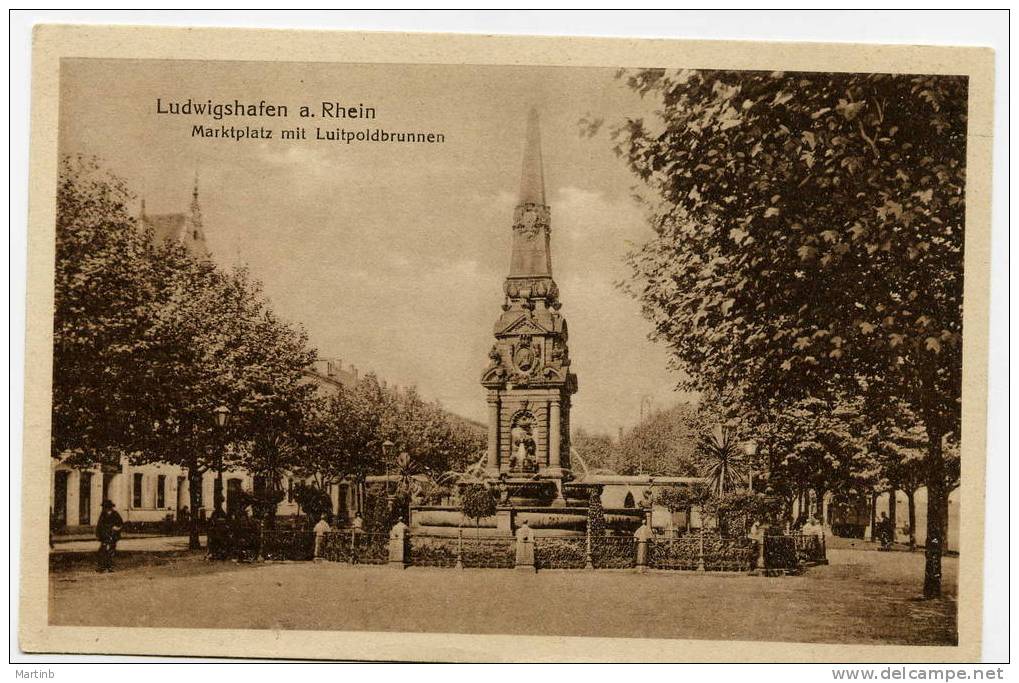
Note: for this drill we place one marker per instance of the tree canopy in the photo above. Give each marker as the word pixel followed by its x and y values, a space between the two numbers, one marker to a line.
pixel 808 239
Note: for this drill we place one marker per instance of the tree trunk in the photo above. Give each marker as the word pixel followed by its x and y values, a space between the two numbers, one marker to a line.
pixel 944 526
pixel 270 512
pixel 820 492
pixel 892 508
pixel 194 491
pixel 911 500
pixel 873 514
pixel 936 506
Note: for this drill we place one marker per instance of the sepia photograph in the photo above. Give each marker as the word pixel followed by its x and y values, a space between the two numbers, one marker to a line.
pixel 431 348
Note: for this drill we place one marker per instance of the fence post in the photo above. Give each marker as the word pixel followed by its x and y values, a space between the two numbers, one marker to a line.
pixel 317 552
pixel 397 546
pixel 642 534
pixel 460 548
pixel 525 548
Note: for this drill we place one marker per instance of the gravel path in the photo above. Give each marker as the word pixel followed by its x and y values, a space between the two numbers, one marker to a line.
pixel 861 597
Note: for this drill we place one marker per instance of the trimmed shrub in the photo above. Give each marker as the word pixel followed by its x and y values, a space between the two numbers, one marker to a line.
pixel 595 515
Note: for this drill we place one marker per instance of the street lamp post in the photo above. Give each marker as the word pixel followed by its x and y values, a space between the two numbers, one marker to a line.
pixel 222 415
pixel 648 403
pixel 387 446
pixel 750 449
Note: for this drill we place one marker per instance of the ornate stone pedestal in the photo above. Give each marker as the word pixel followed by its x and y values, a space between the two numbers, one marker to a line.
pixel 528 376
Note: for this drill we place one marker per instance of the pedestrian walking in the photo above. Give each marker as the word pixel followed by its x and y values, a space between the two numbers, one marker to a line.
pixel 108 532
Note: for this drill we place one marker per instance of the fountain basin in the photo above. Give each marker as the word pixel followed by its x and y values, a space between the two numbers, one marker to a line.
pixel 440 520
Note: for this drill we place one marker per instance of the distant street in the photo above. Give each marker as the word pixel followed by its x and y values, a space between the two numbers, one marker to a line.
pixel 862 597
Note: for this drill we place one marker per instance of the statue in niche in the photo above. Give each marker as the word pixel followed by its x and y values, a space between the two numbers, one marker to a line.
pixel 523 444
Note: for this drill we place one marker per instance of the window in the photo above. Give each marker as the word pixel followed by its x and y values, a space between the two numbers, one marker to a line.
pixel 290 490
pixel 161 491
pixel 137 497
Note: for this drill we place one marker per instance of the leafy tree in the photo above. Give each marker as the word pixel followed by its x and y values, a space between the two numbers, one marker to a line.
pixel 332 447
pixel 819 446
pixel 476 502
pixel 597 451
pixel 149 341
pixel 683 499
pixel 663 445
pixel 313 501
pixel 215 343
pixel 105 297
pixel 767 189
pixel 263 502
pixel 377 418
pixel 377 511
pixel 273 400
pixel 436 441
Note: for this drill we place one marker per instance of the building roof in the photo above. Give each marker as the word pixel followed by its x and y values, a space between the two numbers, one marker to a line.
pixel 166 226
pixel 185 228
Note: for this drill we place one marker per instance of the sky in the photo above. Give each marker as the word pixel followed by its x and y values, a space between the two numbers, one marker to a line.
pixel 392 256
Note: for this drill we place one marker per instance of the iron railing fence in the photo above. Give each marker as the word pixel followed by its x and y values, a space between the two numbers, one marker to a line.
pixel 707 552
pixel 690 552
pixel 810 548
pixel 434 551
pixel 286 544
pixel 613 552
pixel 491 553
pixel 467 551
pixel 560 552
pixel 780 552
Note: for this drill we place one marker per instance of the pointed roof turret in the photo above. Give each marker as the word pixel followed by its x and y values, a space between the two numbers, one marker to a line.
pixel 532 178
pixel 196 209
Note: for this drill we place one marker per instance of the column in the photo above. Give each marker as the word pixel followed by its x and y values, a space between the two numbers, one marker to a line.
pixel 97 496
pixel 554 438
pixel 493 433
pixel 73 491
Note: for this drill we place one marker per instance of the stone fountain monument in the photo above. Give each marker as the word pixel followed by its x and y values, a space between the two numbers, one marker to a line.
pixel 529 390
pixel 528 378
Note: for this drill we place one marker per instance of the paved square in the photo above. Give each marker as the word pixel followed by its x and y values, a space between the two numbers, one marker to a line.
pixel 863 596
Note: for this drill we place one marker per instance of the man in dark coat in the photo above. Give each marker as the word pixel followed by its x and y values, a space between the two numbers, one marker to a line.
pixel 108 532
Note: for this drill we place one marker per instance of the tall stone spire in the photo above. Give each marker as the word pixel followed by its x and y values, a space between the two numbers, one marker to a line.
pixel 531 257
pixel 532 179
pixel 528 376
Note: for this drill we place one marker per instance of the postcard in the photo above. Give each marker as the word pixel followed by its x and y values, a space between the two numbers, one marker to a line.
pixel 386 346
